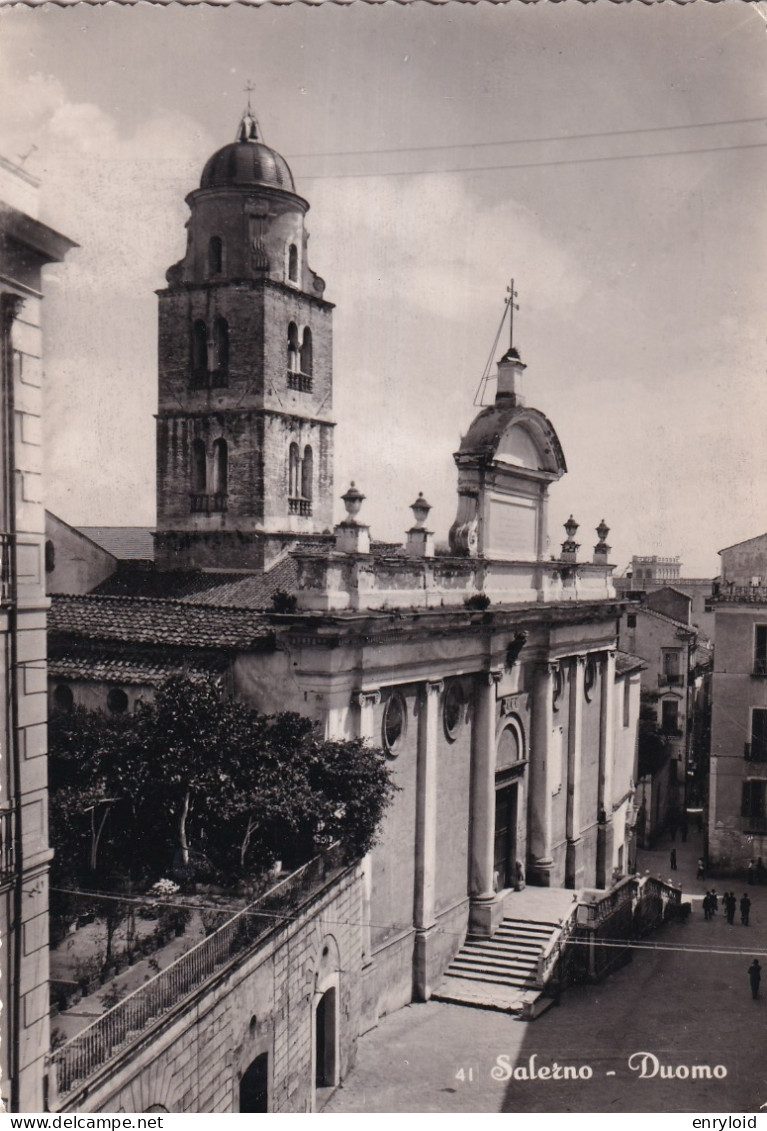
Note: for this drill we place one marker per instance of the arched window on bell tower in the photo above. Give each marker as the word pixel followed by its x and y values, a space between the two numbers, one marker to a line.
pixel 199 352
pixel 293 263
pixel 220 352
pixel 307 359
pixel 199 469
pixel 215 256
pixel 220 471
pixel 293 472
pixel 307 476
pixel 293 351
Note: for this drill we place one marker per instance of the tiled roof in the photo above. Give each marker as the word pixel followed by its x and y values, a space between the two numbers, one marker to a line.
pixel 625 663
pixel 140 620
pixel 126 667
pixel 220 590
pixel 123 542
pixel 663 616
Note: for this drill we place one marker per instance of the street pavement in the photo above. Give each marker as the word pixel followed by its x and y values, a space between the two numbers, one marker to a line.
pixel 688 1006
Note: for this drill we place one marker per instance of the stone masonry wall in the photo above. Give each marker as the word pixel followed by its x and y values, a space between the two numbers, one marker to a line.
pixel 195 1061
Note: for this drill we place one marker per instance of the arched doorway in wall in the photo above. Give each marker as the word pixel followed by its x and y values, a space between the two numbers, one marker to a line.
pixel 326 1039
pixel 509 845
pixel 254 1085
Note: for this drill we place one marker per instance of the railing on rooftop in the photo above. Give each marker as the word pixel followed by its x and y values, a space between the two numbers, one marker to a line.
pixel 738 594
pixel 124 1024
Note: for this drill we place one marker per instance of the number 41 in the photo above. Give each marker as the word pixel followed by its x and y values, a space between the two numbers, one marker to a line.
pixel 465 1075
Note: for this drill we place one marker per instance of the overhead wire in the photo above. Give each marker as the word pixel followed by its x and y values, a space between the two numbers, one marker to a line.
pixel 533 164
pixel 257 913
pixel 526 140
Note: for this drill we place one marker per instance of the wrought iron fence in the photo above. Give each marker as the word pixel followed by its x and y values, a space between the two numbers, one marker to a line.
pixel 123 1024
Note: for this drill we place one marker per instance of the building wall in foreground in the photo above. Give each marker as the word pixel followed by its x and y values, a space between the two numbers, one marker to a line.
pixel 265 1005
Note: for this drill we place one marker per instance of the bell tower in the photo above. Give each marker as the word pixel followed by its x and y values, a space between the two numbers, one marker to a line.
pixel 244 428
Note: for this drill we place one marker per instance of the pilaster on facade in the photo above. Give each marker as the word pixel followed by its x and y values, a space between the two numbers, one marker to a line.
pixel 486 908
pixel 426 832
pixel 366 703
pixel 574 864
pixel 605 832
pixel 541 774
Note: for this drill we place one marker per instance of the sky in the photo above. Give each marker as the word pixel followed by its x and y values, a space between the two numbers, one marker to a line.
pixel 612 158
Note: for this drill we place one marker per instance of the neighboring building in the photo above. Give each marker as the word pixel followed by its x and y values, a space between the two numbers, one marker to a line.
pixel 26 246
pixel 491 675
pixel 651 570
pixel 659 629
pixel 74 563
pixel 647 574
pixel 737 817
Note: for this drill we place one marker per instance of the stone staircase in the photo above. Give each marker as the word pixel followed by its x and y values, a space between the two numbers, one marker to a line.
pixel 500 972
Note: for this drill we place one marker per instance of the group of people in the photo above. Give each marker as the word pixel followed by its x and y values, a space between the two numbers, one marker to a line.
pixel 730 905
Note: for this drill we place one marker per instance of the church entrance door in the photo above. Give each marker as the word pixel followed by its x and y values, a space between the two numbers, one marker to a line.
pixel 505 856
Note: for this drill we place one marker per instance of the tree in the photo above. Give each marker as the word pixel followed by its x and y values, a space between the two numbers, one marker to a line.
pixel 203 782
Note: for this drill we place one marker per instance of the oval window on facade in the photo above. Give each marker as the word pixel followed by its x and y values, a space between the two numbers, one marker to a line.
pixel 117 701
pixel 63 698
pixel 452 709
pixel 394 724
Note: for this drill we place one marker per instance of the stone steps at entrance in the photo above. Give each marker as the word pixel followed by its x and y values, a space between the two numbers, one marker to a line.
pixel 499 972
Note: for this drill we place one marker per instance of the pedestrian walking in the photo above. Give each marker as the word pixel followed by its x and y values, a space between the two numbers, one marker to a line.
pixel 701 869
pixel 707 912
pixel 714 901
pixel 745 909
pixel 751 871
pixel 755 977
pixel 730 906
pixel 672 857
pixel 761 871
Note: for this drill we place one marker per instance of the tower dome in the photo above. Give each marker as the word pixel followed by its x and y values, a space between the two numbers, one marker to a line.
pixel 247 162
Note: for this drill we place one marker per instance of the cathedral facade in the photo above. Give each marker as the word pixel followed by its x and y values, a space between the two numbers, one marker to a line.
pixel 489 674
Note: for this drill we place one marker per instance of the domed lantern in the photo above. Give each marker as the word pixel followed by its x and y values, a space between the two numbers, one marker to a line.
pixel 420 509
pixel 420 541
pixel 569 546
pixel 352 500
pixel 352 537
pixel 602 550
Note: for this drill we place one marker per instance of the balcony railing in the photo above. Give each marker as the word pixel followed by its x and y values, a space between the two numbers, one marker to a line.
pixel 669 679
pixel 6 556
pixel 302 507
pixel 756 824
pixel 301 382
pixel 755 751
pixel 208 504
pixel 124 1024
pixel 760 665
pixel 7 843
pixel 209 378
